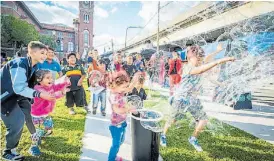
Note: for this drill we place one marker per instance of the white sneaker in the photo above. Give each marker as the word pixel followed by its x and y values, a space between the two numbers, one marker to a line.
pixel 71 111
pixel 163 140
pixel 194 142
pixel 15 153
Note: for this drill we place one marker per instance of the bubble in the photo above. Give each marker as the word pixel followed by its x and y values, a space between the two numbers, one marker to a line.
pixel 150 119
pixel 95 77
pixel 134 101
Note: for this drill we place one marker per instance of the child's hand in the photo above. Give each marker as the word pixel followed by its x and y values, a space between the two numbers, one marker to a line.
pixel 79 83
pixel 219 48
pixel 67 80
pixel 47 96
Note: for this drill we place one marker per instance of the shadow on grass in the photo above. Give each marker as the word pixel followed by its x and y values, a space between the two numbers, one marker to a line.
pixel 234 145
pixel 64 147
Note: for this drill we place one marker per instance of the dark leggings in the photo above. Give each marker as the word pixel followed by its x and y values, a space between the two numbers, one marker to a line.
pixel 25 106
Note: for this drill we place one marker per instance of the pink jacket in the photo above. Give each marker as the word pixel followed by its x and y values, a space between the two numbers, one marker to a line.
pixel 42 107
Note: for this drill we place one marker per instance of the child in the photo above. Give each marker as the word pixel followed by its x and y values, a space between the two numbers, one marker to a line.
pixel 102 95
pixel 76 94
pixel 18 76
pixel 138 89
pixel 139 63
pixel 129 67
pixel 185 99
pixel 93 62
pixel 41 109
pixel 118 63
pixel 119 85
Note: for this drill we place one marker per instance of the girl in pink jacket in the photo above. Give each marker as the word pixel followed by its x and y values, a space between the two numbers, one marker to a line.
pixel 41 109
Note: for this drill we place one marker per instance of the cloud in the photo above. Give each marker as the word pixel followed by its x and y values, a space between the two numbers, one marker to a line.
pixel 114 10
pixel 100 12
pixel 167 14
pixel 67 4
pixel 51 14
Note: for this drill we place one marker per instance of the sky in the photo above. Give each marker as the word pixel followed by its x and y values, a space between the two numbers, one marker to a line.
pixel 112 18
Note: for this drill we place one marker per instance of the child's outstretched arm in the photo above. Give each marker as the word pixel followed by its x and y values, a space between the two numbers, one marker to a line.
pixel 211 56
pixel 203 68
pixel 61 86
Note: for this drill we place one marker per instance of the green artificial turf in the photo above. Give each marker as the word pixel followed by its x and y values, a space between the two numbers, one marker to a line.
pixel 66 141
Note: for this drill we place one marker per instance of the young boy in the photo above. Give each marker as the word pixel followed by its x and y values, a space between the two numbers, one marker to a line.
pixel 139 63
pixel 76 94
pixel 129 67
pixel 19 81
pixel 118 63
pixel 185 98
pixel 102 95
pixel 51 64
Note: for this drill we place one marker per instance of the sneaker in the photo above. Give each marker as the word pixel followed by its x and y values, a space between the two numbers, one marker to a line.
pixel 34 150
pixel 16 154
pixel 36 137
pixel 104 114
pixel 193 141
pixel 48 133
pixel 87 110
pixel 94 111
pixel 163 140
pixel 118 159
pixel 11 157
pixel 71 111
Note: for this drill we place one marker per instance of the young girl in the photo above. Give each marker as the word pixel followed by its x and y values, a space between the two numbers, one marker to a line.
pixel 119 85
pixel 41 109
pixel 138 89
pixel 100 96
pixel 185 98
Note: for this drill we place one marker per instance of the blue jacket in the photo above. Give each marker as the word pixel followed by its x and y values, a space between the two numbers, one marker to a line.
pixel 17 79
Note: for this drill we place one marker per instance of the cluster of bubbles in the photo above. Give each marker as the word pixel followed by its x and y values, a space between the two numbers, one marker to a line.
pixel 250 42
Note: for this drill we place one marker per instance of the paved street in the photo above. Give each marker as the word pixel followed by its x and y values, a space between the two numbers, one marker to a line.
pixel 259 122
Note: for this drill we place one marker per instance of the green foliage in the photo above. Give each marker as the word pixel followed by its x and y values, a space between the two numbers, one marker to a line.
pixel 14 30
pixel 48 40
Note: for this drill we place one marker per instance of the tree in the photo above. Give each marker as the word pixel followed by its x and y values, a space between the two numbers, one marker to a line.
pixel 48 40
pixel 17 32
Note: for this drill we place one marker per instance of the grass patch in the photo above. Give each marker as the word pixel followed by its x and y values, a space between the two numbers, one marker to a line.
pixel 234 145
pixel 225 143
pixel 66 142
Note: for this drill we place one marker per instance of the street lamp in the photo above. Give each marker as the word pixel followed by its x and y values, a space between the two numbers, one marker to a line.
pixel 130 27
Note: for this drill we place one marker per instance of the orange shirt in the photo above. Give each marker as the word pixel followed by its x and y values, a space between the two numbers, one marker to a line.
pixel 93 66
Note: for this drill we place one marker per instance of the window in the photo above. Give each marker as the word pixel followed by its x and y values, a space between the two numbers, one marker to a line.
pixel 62 45
pixel 86 37
pixel 70 46
pixel 86 18
pixel 70 36
pixel 60 35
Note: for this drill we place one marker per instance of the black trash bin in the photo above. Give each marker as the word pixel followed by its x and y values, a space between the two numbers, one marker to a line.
pixel 244 102
pixel 145 143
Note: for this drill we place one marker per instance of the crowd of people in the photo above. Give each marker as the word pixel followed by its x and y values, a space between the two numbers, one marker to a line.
pixel 34 83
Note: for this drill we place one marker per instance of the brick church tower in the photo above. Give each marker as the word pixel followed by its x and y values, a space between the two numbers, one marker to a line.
pixel 84 28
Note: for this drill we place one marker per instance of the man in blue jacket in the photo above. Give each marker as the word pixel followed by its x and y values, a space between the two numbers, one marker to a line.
pixel 17 80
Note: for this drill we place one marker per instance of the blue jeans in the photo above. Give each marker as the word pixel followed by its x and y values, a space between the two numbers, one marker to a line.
pixel 118 137
pixel 102 97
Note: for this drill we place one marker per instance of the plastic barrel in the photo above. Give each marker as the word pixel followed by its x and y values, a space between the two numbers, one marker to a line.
pixel 145 143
